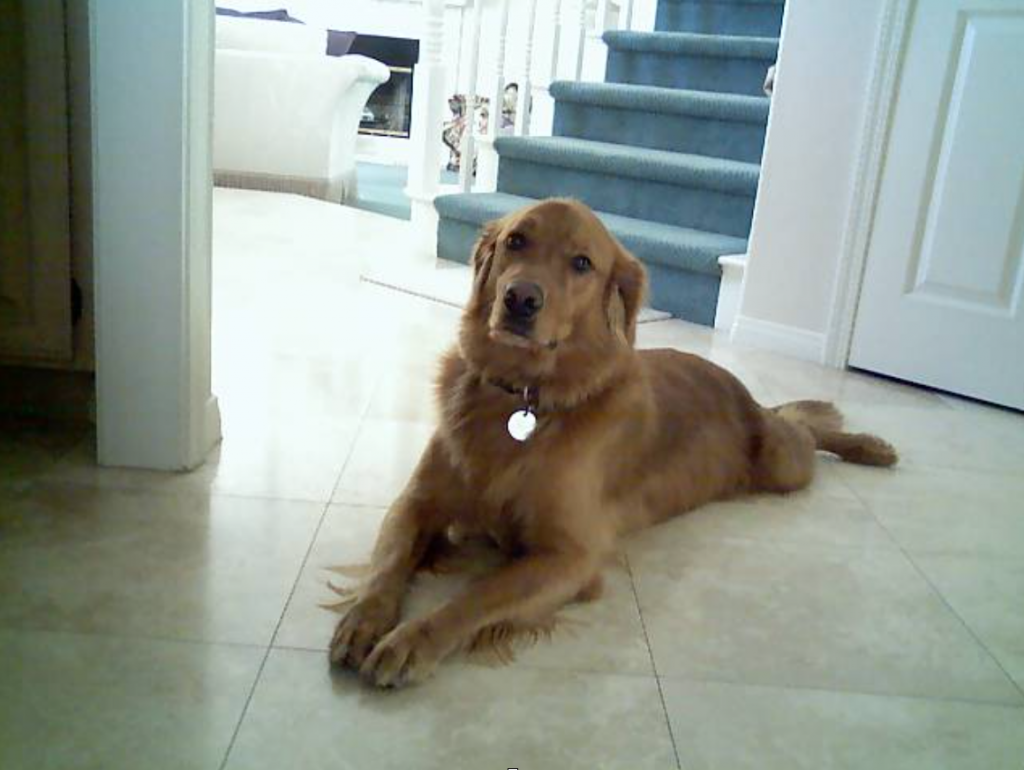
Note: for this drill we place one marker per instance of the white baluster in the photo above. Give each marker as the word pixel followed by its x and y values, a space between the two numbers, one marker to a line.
pixel 556 39
pixel 581 50
pixel 457 77
pixel 600 17
pixel 626 15
pixel 525 106
pixel 487 165
pixel 428 110
pixel 467 148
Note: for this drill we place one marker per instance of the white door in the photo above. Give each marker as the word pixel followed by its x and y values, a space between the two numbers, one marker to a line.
pixel 941 299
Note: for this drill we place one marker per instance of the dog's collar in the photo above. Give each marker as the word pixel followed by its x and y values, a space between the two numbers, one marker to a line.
pixel 529 393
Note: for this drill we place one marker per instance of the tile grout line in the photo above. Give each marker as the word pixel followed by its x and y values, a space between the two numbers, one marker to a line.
pixel 970 631
pixel 270 644
pixel 208 492
pixel 355 439
pixel 654 666
pixel 941 597
pixel 192 641
pixel 291 594
pixel 810 688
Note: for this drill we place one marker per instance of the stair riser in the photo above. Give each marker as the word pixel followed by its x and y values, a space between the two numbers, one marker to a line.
pixel 699 73
pixel 455 240
pixel 679 133
pixel 702 209
pixel 689 296
pixel 719 18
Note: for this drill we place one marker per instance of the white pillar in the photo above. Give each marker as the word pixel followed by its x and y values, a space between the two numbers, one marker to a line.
pixel 428 113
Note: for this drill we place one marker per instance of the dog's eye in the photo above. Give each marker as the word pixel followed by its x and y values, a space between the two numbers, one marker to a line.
pixel 582 263
pixel 515 242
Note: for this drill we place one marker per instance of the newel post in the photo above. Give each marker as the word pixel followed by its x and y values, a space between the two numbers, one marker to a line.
pixel 428 114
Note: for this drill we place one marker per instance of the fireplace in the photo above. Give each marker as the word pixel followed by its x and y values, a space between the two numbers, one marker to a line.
pixel 389 110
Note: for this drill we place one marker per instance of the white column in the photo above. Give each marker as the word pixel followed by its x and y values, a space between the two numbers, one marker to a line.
pixel 428 113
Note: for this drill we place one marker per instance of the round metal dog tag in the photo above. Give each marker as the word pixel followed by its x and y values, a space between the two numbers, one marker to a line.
pixel 522 424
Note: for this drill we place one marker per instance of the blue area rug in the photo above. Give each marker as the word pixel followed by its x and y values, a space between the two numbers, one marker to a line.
pixel 381 189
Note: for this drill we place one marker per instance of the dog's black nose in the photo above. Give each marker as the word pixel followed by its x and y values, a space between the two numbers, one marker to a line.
pixel 523 299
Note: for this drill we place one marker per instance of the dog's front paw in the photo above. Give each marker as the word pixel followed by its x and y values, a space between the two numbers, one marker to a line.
pixel 407 655
pixel 363 625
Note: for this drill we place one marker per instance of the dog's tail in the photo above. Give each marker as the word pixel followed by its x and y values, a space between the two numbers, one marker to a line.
pixel 825 423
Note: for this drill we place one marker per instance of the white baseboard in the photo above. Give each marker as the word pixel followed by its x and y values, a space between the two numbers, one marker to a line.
pixel 787 340
pixel 211 423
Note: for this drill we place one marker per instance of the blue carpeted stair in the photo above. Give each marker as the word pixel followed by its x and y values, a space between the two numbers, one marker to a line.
pixel 666 151
pixel 756 18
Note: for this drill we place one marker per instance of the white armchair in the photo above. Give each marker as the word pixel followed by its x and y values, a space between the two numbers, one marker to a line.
pixel 286 115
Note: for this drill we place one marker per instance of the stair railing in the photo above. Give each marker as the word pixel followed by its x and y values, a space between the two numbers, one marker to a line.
pixel 571 24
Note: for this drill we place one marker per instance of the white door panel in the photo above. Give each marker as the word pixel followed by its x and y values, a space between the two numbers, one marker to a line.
pixel 941 299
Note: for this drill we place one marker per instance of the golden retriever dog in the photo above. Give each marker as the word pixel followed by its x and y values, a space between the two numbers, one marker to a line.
pixel 557 437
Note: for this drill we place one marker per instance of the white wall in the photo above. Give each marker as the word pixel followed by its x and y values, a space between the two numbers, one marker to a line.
pixel 814 135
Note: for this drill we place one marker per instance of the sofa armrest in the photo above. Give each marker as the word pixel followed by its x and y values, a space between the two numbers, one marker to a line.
pixel 344 132
pixel 367 69
pixel 279 114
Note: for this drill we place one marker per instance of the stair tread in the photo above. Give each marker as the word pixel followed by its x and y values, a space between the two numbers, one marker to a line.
pixel 732 176
pixel 700 249
pixel 661 100
pixel 694 44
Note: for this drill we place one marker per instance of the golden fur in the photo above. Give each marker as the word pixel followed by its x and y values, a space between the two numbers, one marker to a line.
pixel 625 439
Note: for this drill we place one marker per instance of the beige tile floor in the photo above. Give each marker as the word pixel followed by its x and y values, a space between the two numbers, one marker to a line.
pixel 155 621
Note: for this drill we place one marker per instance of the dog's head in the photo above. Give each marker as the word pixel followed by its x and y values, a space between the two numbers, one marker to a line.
pixel 550 281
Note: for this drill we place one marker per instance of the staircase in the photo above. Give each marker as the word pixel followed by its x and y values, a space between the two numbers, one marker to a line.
pixel 666 150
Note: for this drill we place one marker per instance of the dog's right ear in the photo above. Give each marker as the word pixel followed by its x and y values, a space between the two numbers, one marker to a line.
pixel 483 258
pixel 629 284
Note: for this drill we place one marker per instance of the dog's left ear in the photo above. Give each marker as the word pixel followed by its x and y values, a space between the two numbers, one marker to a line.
pixel 483 256
pixel 628 289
